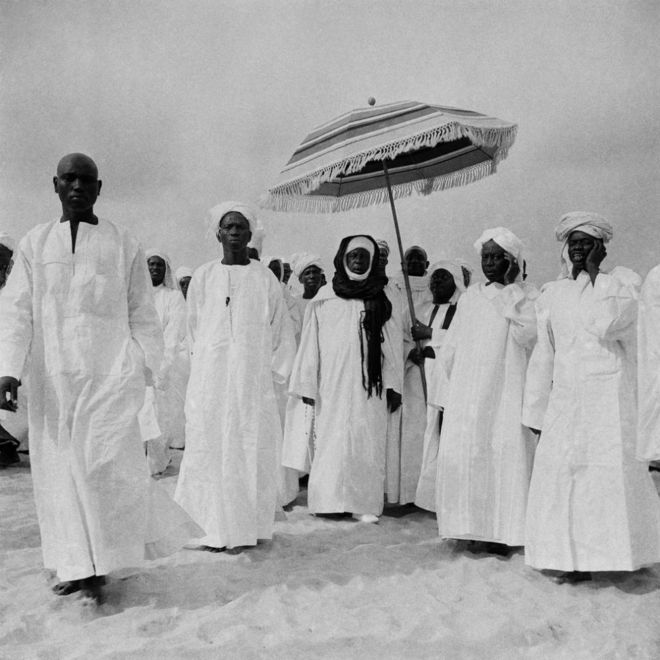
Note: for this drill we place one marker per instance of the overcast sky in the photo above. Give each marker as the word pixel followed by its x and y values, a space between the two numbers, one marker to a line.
pixel 184 104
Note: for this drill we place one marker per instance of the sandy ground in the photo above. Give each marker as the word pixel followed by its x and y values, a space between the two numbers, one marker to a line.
pixel 321 588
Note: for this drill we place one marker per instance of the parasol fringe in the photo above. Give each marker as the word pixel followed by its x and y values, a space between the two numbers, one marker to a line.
pixel 499 138
pixel 280 201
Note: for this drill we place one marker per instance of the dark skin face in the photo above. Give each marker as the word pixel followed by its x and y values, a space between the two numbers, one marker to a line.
pixel 157 269
pixel 383 260
pixel 276 267
pixel 585 253
pixel 287 272
pixel 358 261
pixel 311 278
pixel 416 263
pixel 497 264
pixel 78 186
pixel 442 286
pixel 234 234
pixel 184 283
pixel 253 253
pixel 5 264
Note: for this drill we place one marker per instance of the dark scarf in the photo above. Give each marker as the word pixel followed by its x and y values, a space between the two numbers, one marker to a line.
pixel 377 311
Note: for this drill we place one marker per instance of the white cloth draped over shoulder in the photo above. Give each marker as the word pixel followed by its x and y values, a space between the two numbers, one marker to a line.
pixel 80 330
pixel 485 456
pixel 648 366
pixel 348 468
pixel 241 340
pixel 592 506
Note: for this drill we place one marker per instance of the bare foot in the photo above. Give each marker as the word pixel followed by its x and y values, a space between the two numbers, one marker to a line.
pixel 573 577
pixel 210 548
pixel 365 518
pixel 66 588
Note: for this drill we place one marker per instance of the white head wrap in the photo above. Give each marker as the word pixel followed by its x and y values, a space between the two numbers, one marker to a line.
pixel 302 260
pixel 452 267
pixel 168 280
pixel 382 245
pixel 505 238
pixel 7 241
pixel 354 244
pixel 181 272
pixel 592 224
pixel 220 211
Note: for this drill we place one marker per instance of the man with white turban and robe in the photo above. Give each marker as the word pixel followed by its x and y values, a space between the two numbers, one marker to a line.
pixel 348 369
pixel 485 456
pixel 592 505
pixel 299 419
pixel 405 453
pixel 166 397
pixel 78 327
pixel 241 339
pixel 447 284
pixel 183 275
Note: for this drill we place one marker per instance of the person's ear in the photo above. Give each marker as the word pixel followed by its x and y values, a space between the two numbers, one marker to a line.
pixel 55 184
pixel 98 192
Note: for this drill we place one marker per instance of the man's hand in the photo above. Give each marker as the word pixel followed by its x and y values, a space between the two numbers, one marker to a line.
pixel 308 401
pixel 420 331
pixel 416 356
pixel 9 393
pixel 512 271
pixel 393 400
pixel 595 258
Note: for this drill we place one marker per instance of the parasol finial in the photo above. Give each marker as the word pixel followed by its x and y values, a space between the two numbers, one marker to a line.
pixel 371 100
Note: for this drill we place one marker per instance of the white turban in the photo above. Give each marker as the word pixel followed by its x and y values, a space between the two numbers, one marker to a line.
pixel 181 272
pixel 454 269
pixel 382 245
pixel 505 238
pixel 302 260
pixel 168 280
pixel 220 211
pixel 590 223
pixel 355 243
pixel 7 241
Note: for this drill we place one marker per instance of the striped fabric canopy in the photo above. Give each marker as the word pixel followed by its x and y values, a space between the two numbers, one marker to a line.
pixel 338 166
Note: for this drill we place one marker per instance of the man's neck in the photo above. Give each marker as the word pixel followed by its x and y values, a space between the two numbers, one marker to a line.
pixel 235 258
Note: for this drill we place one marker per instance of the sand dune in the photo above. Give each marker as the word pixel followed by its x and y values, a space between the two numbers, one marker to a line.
pixel 321 588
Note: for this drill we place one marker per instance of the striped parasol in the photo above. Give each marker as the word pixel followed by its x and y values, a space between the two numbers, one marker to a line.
pixel 379 153
pixel 339 166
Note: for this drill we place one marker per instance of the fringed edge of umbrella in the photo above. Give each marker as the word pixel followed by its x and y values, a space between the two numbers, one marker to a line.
pixel 325 204
pixel 499 138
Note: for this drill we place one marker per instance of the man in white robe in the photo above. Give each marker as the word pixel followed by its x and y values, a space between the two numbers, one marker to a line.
pixel 447 285
pixel 241 339
pixel 349 370
pixel 13 427
pixel 166 398
pixel 79 328
pixel 592 505
pixel 405 457
pixel 485 457
pixel 299 419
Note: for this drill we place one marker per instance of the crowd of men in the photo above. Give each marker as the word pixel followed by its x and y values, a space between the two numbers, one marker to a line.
pixel 509 411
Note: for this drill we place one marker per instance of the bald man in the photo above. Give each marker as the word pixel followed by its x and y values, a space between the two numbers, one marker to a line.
pixel 79 328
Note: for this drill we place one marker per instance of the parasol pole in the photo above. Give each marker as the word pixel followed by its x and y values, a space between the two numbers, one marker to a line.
pixel 404 270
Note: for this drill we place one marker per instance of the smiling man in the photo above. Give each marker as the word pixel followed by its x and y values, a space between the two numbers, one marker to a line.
pixel 241 340
pixel 79 327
